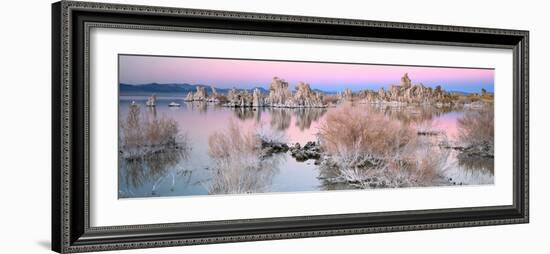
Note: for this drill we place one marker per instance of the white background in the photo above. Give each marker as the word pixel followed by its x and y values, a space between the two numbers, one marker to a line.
pixel 25 129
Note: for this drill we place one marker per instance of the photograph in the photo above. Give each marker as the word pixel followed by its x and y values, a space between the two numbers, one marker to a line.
pixel 192 126
pixel 213 126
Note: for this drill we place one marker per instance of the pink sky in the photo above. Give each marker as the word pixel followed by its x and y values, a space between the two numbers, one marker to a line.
pixel 226 73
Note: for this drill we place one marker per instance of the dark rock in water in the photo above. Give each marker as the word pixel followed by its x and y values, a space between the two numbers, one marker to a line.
pixel 312 154
pixel 484 150
pixel 311 150
pixel 300 156
pixel 428 133
pixel 309 145
pixel 269 148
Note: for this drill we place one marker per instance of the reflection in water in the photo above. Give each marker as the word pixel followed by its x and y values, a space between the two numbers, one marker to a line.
pixel 306 116
pixel 155 166
pixel 195 172
pixel 477 163
pixel 244 174
pixel 197 106
pixel 152 112
pixel 239 166
pixel 411 114
pixel 245 113
pixel 280 118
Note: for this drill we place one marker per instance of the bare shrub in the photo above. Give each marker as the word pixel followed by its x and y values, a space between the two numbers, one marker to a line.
pixel 142 136
pixel 238 166
pixel 349 128
pixel 131 129
pixel 370 150
pixel 242 174
pixel 269 135
pixel 419 167
pixel 478 126
pixel 233 141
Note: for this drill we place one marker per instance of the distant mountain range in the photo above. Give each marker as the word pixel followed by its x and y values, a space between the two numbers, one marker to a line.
pixel 184 88
pixel 180 88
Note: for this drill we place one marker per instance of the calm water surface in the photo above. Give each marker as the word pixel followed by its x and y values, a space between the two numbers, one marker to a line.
pixel 190 175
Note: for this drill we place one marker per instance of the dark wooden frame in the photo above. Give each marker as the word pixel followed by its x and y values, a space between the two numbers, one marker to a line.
pixel 71 22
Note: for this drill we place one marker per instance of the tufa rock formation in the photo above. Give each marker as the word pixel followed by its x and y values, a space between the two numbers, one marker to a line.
pixel 279 94
pixel 214 97
pixel 200 94
pixel 239 98
pixel 347 95
pixel 189 97
pixel 257 98
pixel 306 98
pixel 406 81
pixel 406 92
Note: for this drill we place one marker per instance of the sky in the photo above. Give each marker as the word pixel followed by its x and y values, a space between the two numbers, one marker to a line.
pixel 227 73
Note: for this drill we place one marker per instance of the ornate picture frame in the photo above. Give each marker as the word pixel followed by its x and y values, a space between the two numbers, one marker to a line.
pixel 71 197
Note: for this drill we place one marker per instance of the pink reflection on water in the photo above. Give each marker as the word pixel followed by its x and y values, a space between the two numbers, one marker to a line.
pixel 448 124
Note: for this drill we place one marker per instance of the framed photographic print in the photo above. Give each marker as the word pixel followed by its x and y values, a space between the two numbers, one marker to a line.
pixel 182 126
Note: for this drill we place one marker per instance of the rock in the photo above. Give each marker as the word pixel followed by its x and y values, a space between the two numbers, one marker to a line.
pixel 407 92
pixel 406 81
pixel 270 148
pixel 279 93
pixel 312 154
pixel 256 98
pixel 300 156
pixel 200 94
pixel 239 99
pixel 214 93
pixel 311 150
pixel 347 95
pixel 189 97
pixel 381 93
pixel 309 145
pixel 232 95
pixel 214 97
pixel 279 96
pixel 305 97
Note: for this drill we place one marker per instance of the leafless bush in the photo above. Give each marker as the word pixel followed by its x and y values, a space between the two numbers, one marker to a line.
pixel 132 133
pixel 142 136
pixel 478 126
pixel 349 128
pixel 242 174
pixel 239 168
pixel 235 140
pixel 369 150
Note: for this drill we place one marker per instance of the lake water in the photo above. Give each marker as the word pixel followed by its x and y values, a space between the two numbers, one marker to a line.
pixel 191 174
